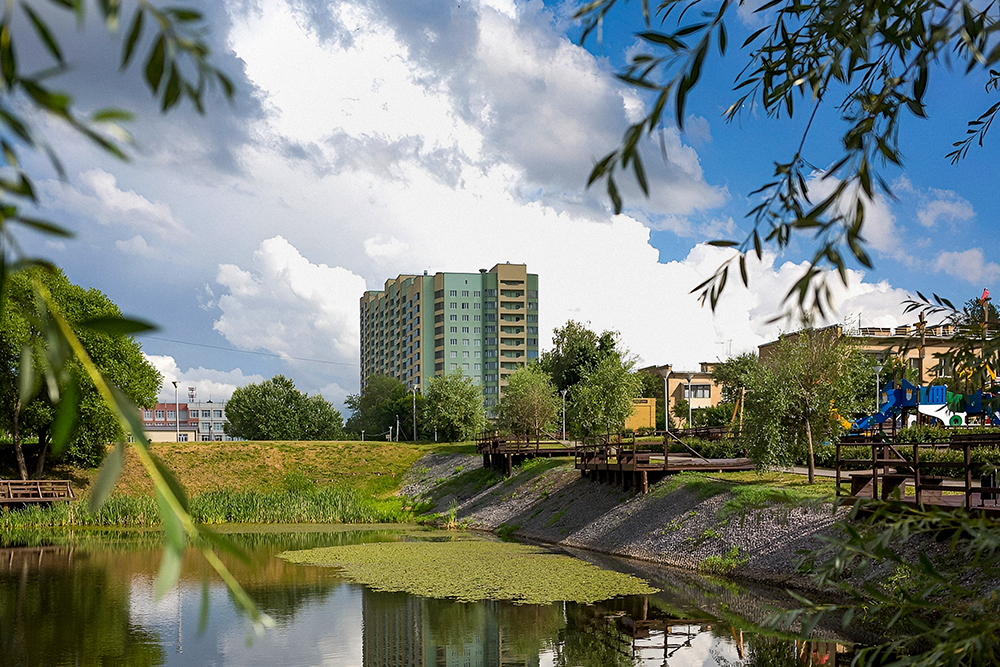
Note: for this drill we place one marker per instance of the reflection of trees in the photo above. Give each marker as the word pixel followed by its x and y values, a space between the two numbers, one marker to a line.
pixel 768 652
pixel 57 607
pixel 401 629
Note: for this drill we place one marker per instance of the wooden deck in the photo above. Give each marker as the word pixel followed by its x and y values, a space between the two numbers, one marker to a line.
pixel 629 463
pixel 636 470
pixel 889 474
pixel 35 491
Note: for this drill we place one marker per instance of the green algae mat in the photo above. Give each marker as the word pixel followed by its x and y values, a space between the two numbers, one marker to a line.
pixel 470 570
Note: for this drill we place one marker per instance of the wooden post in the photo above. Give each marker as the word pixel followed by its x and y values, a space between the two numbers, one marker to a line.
pixel 968 475
pixel 838 468
pixel 874 470
pixel 645 482
pixel 916 473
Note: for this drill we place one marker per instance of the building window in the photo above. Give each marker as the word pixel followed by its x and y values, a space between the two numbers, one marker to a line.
pixel 465 329
pixel 218 426
pixel 453 304
pixel 476 366
pixel 465 367
pixel 476 354
pixel 452 367
pixel 171 415
pixel 207 414
pixel 452 341
pixel 532 318
pixel 205 426
pixel 453 293
pixel 147 414
pixel 465 292
pixel 476 293
pixel 465 306
pixel 476 306
pixel 453 318
pixel 490 292
pixel 206 438
pixel 159 414
pixel 465 318
pixel 217 414
pixel 465 341
pixel 453 330
pixel 465 354
pixel 490 305
pixel 453 354
pixel 699 390
pixel 182 437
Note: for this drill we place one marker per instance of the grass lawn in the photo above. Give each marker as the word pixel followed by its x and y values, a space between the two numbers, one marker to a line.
pixel 374 468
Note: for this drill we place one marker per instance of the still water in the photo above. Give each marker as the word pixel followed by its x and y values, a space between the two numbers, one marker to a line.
pixel 88 599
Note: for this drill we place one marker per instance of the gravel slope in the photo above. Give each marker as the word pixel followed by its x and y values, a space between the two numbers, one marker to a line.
pixel 552 503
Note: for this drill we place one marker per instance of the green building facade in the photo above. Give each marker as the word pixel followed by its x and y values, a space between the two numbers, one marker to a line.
pixel 484 324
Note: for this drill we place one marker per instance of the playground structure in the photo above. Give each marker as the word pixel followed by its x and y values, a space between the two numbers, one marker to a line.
pixel 935 403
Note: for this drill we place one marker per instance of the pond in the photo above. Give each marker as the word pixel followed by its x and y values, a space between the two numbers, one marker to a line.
pixel 87 598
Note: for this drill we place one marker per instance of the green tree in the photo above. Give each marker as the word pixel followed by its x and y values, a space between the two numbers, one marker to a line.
pixel 797 393
pixel 652 387
pixel 576 350
pixel 869 62
pixel 529 402
pixel 733 374
pixel 119 359
pixel 374 409
pixel 276 410
pixel 602 399
pixel 454 407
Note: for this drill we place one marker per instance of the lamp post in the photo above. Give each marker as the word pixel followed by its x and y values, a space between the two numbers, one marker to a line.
pixel 878 369
pixel 664 371
pixel 177 415
pixel 414 412
pixel 690 376
pixel 362 435
pixel 563 392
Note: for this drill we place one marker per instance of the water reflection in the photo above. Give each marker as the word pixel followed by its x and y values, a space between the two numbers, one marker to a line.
pixel 94 605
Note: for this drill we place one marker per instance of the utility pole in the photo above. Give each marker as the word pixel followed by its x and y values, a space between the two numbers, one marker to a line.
pixel 563 392
pixel 177 415
pixel 414 412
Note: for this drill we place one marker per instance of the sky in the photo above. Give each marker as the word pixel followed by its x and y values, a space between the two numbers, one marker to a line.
pixel 372 138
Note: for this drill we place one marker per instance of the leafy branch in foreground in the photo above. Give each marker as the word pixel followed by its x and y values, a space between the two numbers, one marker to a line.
pixel 179 527
pixel 177 49
pixel 870 59
pixel 927 578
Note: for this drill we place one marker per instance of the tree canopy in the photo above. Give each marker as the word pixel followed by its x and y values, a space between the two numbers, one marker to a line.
pixel 276 410
pixel 454 407
pixel 798 392
pixel 119 358
pixel 576 349
pixel 529 402
pixel 374 408
pixel 602 399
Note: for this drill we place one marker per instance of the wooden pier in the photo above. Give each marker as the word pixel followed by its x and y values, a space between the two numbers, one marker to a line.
pixel 627 465
pixel 13 492
pixel 502 453
pixel 633 465
pixel 889 474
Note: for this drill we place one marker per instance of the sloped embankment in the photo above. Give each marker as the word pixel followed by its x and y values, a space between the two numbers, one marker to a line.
pixel 694 522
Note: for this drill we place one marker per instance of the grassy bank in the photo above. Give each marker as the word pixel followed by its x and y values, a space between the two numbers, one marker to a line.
pixel 251 482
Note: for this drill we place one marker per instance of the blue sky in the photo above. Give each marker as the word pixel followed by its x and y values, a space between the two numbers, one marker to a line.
pixel 371 138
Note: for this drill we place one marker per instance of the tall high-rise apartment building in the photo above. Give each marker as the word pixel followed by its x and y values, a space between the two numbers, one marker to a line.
pixel 484 324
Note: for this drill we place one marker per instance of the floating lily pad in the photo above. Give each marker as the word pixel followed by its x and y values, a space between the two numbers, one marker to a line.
pixel 473 570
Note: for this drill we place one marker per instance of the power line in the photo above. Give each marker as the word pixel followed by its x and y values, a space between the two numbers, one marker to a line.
pixel 261 354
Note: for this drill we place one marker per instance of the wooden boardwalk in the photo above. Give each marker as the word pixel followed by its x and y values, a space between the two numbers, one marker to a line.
pixel 630 464
pixel 894 470
pixel 14 492
pixel 636 470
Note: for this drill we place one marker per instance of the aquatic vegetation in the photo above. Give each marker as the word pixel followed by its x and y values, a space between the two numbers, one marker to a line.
pixel 470 570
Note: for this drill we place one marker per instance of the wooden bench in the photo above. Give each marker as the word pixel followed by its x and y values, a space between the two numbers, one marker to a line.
pixel 35 491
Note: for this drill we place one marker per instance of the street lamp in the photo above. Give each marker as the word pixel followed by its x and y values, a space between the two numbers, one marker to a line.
pixel 690 376
pixel 878 369
pixel 664 371
pixel 414 412
pixel 177 415
pixel 563 392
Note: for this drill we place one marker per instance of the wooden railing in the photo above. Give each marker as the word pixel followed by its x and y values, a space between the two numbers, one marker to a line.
pixel 888 470
pixel 35 490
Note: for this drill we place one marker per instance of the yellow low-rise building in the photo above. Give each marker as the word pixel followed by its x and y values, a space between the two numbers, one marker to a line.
pixel 643 414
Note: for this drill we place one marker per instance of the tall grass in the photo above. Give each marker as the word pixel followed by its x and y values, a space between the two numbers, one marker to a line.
pixel 291 505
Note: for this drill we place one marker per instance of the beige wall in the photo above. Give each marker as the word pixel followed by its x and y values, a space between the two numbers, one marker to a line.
pixel 170 435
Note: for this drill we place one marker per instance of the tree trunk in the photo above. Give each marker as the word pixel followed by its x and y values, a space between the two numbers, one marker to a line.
pixel 812 458
pixel 18 451
pixel 43 450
